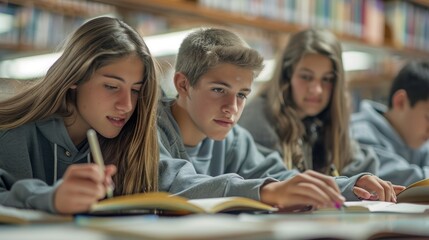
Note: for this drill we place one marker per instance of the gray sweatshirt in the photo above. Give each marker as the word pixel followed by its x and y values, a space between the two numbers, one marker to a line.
pixel 259 123
pixel 397 163
pixel 32 158
pixel 231 167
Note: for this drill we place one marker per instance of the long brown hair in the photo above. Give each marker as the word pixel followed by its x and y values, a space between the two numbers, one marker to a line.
pixel 278 92
pixel 95 44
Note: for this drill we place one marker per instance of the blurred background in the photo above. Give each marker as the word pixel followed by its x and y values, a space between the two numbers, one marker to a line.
pixel 377 36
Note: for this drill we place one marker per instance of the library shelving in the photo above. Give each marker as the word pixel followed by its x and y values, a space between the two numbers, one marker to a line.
pixel 387 29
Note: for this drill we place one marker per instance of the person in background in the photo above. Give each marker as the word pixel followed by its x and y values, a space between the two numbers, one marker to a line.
pixel 105 80
pixel 302 112
pixel 198 134
pixel 399 132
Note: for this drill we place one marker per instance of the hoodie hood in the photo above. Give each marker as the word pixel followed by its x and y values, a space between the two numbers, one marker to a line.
pixel 373 113
pixel 65 152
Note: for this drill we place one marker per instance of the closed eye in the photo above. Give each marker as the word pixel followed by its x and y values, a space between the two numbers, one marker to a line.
pixel 306 77
pixel 136 91
pixel 110 87
pixel 328 79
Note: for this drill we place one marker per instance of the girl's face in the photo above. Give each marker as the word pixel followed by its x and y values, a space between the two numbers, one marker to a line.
pixel 107 100
pixel 312 83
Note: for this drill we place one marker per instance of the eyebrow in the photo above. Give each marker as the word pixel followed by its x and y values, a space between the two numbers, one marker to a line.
pixel 229 86
pixel 311 71
pixel 120 79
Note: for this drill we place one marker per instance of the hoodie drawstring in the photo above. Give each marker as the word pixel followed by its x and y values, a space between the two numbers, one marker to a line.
pixel 88 158
pixel 55 162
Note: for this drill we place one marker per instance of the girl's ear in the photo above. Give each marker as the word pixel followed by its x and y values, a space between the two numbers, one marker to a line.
pixel 181 83
pixel 74 86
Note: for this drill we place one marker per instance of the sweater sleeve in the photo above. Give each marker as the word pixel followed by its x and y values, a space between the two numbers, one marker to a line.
pixel 178 176
pixel 18 188
pixel 250 161
pixel 364 159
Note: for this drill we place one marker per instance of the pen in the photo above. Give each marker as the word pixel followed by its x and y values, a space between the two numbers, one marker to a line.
pixel 98 158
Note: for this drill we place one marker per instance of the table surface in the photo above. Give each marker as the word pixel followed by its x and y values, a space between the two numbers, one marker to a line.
pixel 337 225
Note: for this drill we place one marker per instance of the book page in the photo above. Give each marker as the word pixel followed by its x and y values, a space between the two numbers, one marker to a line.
pixel 214 205
pixel 380 206
pixel 133 203
pixel 416 194
pixel 371 206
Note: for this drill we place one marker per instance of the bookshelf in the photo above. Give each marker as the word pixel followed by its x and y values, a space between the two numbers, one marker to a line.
pixel 390 42
pixel 266 32
pixel 33 26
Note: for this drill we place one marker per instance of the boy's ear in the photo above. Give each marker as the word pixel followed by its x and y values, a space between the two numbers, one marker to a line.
pixel 400 99
pixel 181 83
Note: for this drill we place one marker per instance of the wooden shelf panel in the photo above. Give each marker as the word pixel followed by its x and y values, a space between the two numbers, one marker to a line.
pixel 424 3
pixel 190 8
pixel 64 7
pixel 16 47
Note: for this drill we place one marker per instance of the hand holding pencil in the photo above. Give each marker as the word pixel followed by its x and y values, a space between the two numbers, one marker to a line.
pixel 80 187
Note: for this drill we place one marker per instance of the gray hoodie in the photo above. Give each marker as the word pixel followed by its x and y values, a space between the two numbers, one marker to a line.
pixel 32 159
pixel 231 167
pixel 259 123
pixel 398 163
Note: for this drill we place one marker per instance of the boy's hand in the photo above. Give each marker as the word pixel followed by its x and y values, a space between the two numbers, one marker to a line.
pixel 82 186
pixel 370 187
pixel 305 189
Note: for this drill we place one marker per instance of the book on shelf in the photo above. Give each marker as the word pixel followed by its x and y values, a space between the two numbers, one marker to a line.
pixel 11 215
pixel 164 203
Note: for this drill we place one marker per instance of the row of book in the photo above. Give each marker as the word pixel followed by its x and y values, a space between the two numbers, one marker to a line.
pixel 364 19
pixel 44 26
pixel 409 24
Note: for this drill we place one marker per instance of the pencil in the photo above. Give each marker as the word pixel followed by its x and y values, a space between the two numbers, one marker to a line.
pixel 98 157
pixel 334 171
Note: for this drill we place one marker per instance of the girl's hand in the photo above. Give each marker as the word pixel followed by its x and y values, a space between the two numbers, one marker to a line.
pixel 82 186
pixel 370 187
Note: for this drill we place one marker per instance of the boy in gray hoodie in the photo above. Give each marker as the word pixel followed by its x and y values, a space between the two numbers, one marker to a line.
pixel 199 136
pixel 399 132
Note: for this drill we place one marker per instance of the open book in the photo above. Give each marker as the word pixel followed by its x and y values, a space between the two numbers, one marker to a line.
pixel 386 207
pixel 163 202
pixel 414 199
pixel 417 192
pixel 12 215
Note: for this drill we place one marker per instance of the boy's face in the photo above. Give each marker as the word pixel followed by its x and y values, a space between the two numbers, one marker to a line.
pixel 414 123
pixel 216 102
